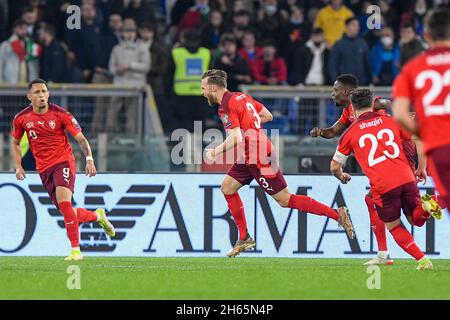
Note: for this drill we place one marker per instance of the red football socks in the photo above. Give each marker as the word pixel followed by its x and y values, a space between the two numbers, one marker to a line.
pixel 308 204
pixel 406 241
pixel 377 224
pixel 420 216
pixel 71 222
pixel 237 211
pixel 84 215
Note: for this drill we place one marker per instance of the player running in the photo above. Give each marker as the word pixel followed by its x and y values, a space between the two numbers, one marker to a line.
pixel 242 118
pixel 45 125
pixel 375 140
pixel 425 82
pixel 342 88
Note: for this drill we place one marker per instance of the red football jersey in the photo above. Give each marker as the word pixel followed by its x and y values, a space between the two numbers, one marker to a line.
pixel 376 142
pixel 46 134
pixel 347 117
pixel 240 110
pixel 425 80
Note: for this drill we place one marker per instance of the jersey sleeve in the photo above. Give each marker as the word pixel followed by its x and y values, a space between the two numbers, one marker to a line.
pixel 70 123
pixel 258 106
pixel 404 134
pixel 402 85
pixel 17 129
pixel 232 120
pixel 344 149
pixel 345 119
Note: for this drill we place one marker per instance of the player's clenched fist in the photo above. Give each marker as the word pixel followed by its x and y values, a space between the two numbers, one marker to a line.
pixel 210 154
pixel 345 178
pixel 315 132
pixel 20 173
pixel 90 169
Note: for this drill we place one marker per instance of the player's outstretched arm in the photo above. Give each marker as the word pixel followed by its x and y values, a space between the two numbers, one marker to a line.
pixel 328 133
pixel 265 115
pixel 421 172
pixel 86 149
pixel 17 156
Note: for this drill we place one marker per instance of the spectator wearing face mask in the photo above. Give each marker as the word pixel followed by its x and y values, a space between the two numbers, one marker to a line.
pixel 415 16
pixel 385 59
pixel 310 61
pixel 270 21
pixel 410 44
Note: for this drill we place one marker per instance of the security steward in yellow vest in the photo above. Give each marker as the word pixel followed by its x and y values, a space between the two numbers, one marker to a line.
pixel 188 63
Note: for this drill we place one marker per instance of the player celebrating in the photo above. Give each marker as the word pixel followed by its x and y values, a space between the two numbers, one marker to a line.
pixel 239 111
pixel 425 82
pixel 342 88
pixel 375 141
pixel 45 124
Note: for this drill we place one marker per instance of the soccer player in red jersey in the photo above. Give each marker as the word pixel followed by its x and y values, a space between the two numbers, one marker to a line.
pixel 424 82
pixel 342 88
pixel 242 117
pixel 376 142
pixel 45 125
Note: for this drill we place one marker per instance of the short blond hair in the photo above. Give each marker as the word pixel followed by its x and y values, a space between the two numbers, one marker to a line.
pixel 216 77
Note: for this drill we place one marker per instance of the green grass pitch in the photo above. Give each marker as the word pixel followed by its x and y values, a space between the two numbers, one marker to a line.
pixel 218 278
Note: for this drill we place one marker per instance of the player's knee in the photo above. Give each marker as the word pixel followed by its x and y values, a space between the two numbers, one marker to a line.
pixel 284 201
pixel 226 189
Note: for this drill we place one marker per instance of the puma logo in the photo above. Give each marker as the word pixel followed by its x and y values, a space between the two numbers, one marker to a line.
pixel 41 123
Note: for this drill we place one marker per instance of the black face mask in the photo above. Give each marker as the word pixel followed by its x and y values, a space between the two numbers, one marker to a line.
pixel 317 44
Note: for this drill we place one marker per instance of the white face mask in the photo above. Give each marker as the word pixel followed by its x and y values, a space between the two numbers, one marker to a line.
pixel 270 9
pixel 387 41
pixel 421 10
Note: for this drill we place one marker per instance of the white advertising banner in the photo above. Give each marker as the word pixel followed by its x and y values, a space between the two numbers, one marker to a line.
pixel 175 215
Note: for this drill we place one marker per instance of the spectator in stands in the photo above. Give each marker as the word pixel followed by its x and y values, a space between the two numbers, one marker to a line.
pixel 196 17
pixel 250 51
pixel 109 39
pixel 295 34
pixel 385 59
pixel 270 69
pixel 389 14
pixel 410 44
pixel 310 61
pixel 19 56
pixel 140 12
pixel 82 42
pixel 415 16
pixel 241 22
pixel 30 16
pixel 331 20
pixel 350 55
pixel 270 22
pixel 213 30
pixel 187 64
pixel 54 58
pixel 159 56
pixel 229 61
pixel 129 63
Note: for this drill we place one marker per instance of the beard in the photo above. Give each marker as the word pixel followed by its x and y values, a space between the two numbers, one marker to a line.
pixel 211 100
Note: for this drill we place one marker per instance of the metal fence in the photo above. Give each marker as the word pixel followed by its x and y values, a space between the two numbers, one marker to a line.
pixel 121 123
pixel 134 141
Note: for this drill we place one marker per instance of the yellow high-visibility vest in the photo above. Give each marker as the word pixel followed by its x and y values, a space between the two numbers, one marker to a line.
pixel 189 68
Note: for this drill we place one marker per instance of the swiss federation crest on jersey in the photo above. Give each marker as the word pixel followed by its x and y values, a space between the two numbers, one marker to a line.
pixel 225 120
pixel 75 123
pixel 29 125
pixel 52 124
